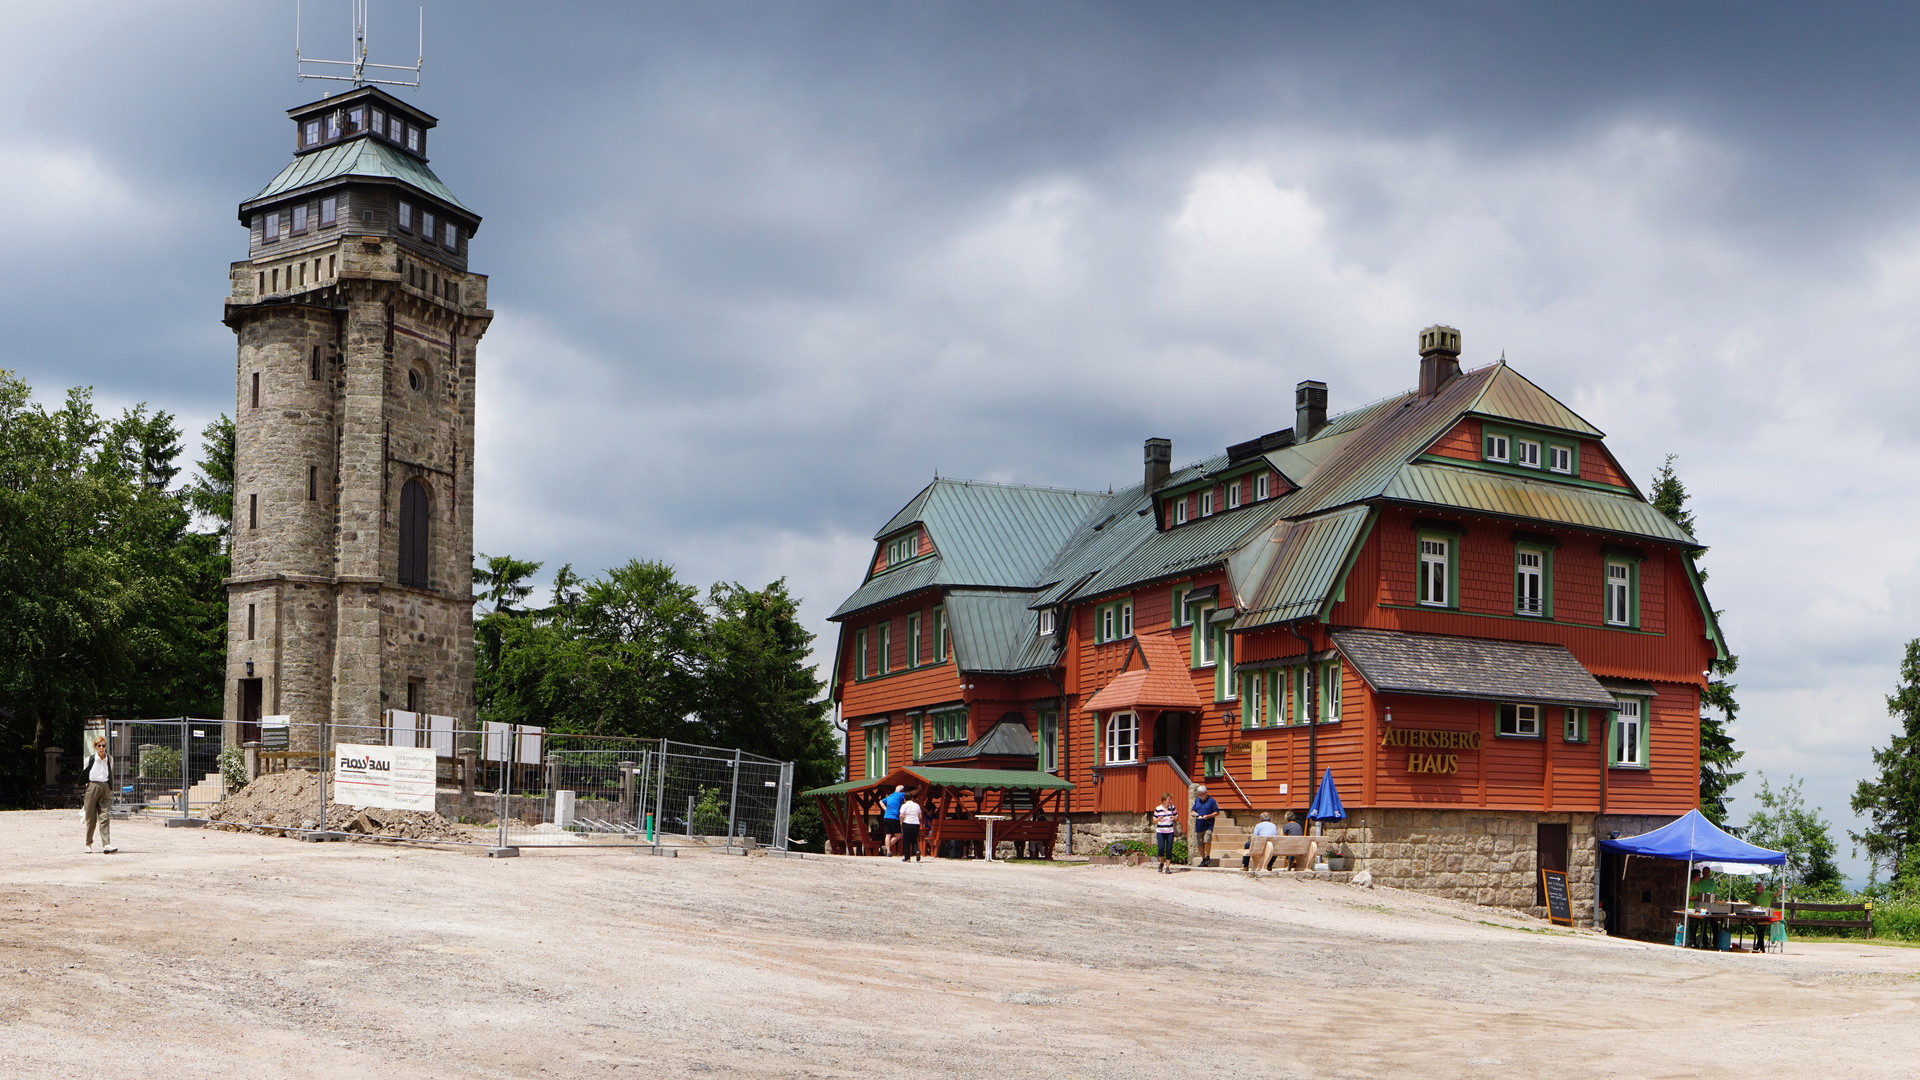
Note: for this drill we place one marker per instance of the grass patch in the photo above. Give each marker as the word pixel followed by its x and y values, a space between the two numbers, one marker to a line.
pixel 1542 930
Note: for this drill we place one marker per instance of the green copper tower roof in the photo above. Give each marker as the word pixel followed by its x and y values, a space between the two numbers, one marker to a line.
pixel 359 157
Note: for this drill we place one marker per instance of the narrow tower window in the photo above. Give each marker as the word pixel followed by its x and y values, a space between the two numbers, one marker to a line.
pixel 414 518
pixel 250 608
pixel 316 362
pixel 253 511
pixel 313 483
pixel 256 390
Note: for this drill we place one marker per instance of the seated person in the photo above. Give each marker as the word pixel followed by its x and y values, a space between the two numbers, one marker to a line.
pixel 1292 828
pixel 1259 846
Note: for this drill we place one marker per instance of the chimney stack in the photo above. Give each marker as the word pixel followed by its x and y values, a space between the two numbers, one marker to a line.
pixel 1159 463
pixel 1309 409
pixel 1439 358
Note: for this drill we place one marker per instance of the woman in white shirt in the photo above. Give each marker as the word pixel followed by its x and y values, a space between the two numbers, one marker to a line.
pixel 910 830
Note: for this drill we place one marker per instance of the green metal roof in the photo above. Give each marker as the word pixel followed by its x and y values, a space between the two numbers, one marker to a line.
pixel 991 630
pixel 991 535
pixel 360 156
pixel 1511 395
pixel 988 778
pixel 1535 500
pixel 1303 565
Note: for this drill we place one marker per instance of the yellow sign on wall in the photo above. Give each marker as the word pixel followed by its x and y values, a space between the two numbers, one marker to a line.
pixel 1260 759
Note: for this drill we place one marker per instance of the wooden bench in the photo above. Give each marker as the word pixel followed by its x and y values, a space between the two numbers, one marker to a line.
pixel 1281 847
pixel 1863 923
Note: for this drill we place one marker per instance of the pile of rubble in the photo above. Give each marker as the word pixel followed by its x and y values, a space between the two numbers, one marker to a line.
pixel 291 801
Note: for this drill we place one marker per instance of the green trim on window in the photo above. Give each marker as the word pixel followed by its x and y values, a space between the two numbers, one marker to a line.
pixel 860 673
pixel 913 641
pixel 1646 733
pixel 882 632
pixel 1223 684
pixel 1452 541
pixel 1180 592
pixel 1546 580
pixel 1573 727
pixel 1520 470
pixel 1521 618
pixel 942 647
pixel 1633 589
pixel 1198 627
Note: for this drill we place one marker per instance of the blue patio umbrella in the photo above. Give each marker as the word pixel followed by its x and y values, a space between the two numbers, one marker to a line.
pixel 1326 802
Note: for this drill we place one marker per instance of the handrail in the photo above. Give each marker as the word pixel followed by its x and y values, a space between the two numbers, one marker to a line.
pixel 1184 778
pixel 1236 786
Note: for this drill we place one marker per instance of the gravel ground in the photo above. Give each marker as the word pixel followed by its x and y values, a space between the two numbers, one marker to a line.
pixel 211 953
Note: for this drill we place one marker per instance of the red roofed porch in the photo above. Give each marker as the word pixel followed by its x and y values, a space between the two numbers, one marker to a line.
pixel 1147 715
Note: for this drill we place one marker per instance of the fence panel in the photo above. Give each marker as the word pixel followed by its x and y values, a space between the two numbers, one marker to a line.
pixel 165 764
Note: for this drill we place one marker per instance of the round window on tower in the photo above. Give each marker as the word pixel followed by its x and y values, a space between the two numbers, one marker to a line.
pixel 415 380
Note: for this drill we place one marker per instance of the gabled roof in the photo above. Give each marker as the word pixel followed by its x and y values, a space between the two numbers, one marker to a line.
pixel 1008 738
pixel 991 630
pixel 1157 676
pixel 985 535
pixel 1509 395
pixel 360 156
pixel 1297 569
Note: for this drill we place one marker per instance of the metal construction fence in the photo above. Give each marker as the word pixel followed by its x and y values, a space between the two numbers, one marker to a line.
pixel 510 786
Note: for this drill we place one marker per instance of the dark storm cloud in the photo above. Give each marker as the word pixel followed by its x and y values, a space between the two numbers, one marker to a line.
pixel 761 269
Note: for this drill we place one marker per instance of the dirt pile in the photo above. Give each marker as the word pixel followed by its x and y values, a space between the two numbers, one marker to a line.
pixel 291 800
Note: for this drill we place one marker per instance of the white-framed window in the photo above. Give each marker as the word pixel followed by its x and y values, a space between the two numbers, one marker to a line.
pixel 413 138
pixel 1233 494
pixel 406 217
pixel 1619 598
pixel 329 211
pixel 1126 618
pixel 451 237
pixel 300 219
pixel 333 125
pixel 1113 622
pixel 1180 592
pixel 1262 487
pixel 1299 680
pixel 941 640
pixel 1526 452
pixel 1497 448
pixel 1529 582
pixel 860 667
pixel 1434 571
pixel 1575 730
pixel 1255 713
pixel 1206 504
pixel 312 129
pixel 949 727
pixel 270 232
pixel 902 549
pixel 1204 637
pixel 356 119
pixel 1224 687
pixel 1559 458
pixel 379 122
pixel 1123 738
pixel 1180 511
pixel 1049 725
pixel 883 634
pixel 1330 692
pixel 1046 622
pixel 913 640
pixel 877 750
pixel 1628 738
pixel 1519 720
pixel 426 225
pixel 918 723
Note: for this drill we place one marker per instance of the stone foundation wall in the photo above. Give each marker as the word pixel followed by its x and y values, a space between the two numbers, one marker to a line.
pixel 1479 856
pixel 1093 832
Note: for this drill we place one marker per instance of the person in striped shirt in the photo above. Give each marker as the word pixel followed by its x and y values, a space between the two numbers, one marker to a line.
pixel 1166 822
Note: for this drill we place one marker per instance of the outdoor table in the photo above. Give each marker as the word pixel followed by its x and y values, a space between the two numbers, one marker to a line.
pixel 1757 920
pixel 990 819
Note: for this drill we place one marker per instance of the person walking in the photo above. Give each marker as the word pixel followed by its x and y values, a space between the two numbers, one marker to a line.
pixel 890 816
pixel 1166 822
pixel 98 805
pixel 910 830
pixel 1205 810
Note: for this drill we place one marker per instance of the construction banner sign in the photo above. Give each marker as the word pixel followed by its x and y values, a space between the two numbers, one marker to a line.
pixel 393 777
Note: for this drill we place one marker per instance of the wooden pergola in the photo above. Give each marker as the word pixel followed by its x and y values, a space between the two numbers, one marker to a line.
pixel 1034 803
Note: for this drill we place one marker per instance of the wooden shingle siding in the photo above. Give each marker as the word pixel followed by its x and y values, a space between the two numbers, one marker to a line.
pixel 1461 443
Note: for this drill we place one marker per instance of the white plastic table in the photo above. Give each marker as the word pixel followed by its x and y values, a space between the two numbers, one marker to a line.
pixel 990 819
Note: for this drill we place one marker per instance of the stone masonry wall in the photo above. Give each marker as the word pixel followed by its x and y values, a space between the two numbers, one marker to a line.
pixel 1479 856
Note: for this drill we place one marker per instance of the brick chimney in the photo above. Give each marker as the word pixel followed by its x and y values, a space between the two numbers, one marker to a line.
pixel 1159 463
pixel 1309 409
pixel 1439 358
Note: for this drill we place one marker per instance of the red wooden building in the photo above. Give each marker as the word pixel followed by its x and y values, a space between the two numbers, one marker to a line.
pixel 1455 599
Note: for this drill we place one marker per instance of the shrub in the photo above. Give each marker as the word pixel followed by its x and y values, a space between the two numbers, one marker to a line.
pixel 233 768
pixel 709 815
pixel 1141 847
pixel 160 763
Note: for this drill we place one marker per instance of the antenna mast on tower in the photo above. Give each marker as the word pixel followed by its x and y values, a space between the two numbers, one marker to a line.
pixel 358 65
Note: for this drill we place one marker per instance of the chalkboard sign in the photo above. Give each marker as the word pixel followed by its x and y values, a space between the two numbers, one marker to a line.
pixel 1559 908
pixel 273 733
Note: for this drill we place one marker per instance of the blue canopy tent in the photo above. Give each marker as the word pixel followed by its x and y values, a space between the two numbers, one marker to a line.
pixel 1694 839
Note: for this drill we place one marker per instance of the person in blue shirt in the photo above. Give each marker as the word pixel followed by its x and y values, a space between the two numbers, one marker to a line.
pixel 890 816
pixel 1205 810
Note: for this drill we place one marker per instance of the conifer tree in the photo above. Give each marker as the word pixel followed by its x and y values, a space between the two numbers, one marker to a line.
pixel 1892 800
pixel 1718 709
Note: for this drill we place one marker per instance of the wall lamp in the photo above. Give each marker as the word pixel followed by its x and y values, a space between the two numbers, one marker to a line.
pixel 1228 715
pixel 249 669
pixel 1389 717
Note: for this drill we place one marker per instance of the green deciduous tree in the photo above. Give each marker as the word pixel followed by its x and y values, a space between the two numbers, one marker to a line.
pixel 109 602
pixel 1784 823
pixel 1718 709
pixel 1891 801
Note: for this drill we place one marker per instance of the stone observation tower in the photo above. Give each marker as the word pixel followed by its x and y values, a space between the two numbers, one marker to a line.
pixel 353 469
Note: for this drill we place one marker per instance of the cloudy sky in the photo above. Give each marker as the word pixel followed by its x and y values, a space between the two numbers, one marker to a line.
pixel 762 269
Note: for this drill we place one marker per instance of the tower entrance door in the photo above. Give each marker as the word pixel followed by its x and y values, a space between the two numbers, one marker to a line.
pixel 249 710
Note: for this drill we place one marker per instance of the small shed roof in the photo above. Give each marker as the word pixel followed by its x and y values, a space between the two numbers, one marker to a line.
pixel 1435 665
pixel 925 775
